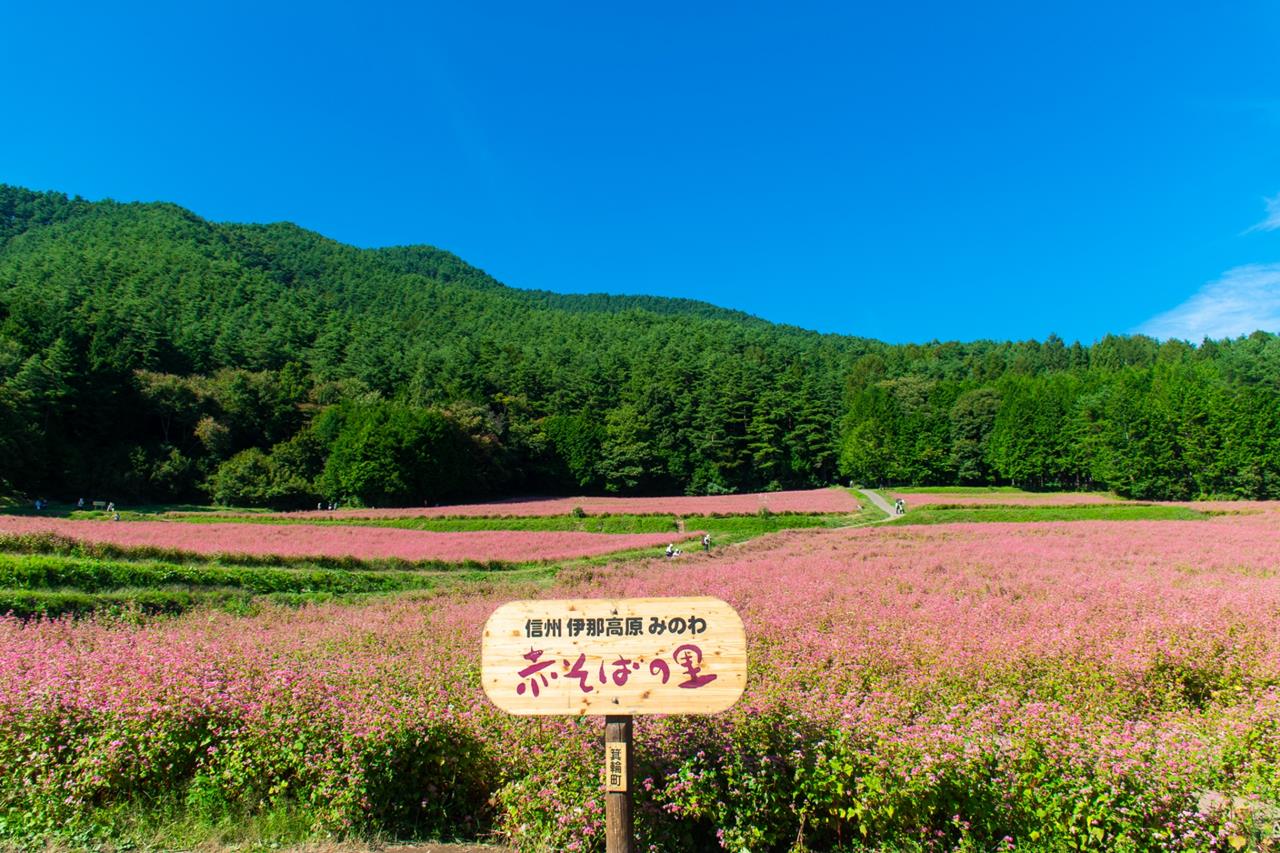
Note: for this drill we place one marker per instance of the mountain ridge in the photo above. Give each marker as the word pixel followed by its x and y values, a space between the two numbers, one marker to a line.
pixel 147 351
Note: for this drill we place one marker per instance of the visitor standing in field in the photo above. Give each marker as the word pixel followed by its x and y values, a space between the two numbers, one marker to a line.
pixel 706 542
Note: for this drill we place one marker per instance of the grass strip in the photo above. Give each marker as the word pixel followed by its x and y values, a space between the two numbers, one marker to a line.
pixel 947 514
pixel 49 603
pixel 962 490
pixel 53 543
pixel 45 571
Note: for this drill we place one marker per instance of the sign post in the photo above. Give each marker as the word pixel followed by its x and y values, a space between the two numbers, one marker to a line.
pixel 619 825
pixel 615 658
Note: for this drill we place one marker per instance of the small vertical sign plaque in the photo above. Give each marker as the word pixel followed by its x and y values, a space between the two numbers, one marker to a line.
pixel 615 767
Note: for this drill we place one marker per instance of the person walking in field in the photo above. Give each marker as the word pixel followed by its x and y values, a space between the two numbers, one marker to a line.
pixel 706 542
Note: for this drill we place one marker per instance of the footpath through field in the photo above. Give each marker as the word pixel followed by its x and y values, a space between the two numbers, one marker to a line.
pixel 880 503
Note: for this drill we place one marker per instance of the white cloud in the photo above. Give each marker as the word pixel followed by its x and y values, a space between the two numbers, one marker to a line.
pixel 1244 300
pixel 1272 222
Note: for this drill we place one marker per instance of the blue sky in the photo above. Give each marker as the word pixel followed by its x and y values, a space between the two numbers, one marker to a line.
pixel 901 171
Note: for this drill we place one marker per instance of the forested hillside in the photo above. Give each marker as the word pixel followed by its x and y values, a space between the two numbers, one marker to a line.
pixel 148 353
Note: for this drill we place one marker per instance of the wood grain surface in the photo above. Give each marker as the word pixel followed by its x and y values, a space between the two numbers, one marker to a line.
pixel 614 656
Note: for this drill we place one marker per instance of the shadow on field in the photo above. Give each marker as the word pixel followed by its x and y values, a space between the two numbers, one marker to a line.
pixel 350 847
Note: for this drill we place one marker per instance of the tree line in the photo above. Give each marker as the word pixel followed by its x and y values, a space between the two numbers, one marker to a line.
pixel 148 354
pixel 1169 422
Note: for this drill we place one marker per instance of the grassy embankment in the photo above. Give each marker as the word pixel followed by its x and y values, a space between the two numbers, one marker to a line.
pixel 960 490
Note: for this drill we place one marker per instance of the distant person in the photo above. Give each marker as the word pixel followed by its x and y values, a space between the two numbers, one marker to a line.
pixel 115 516
pixel 706 542
pixel 671 550
pixel 319 506
pixel 80 504
pixel 111 506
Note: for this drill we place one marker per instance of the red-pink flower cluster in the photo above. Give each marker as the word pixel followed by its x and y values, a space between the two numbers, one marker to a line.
pixel 364 543
pixel 899 676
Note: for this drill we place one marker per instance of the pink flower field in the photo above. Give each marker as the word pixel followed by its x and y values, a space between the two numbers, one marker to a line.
pixel 1041 686
pixel 920 499
pixel 811 500
pixel 363 543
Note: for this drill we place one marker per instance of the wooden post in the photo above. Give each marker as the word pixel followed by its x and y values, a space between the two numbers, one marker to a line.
pixel 619 821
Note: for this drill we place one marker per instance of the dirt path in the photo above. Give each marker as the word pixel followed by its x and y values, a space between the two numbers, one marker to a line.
pixel 880 504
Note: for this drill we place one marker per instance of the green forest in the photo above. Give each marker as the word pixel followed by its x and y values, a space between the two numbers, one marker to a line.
pixel 147 354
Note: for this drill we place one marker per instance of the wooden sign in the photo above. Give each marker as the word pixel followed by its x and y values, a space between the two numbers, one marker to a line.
pixel 614 656
pixel 615 766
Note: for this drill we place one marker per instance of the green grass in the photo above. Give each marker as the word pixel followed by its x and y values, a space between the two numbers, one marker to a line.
pixel 53 543
pixel 1079 512
pixel 975 490
pixel 52 585
pixel 870 512
pixel 172 822
pixel 36 585
pixel 41 571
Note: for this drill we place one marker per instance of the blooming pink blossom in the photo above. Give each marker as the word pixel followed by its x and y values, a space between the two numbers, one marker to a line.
pixel 364 543
pixel 1076 661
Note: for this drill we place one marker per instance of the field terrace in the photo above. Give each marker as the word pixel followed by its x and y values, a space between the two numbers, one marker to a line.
pixel 337 541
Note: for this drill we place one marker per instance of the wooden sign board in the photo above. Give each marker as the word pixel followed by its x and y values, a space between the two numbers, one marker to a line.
pixel 614 656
